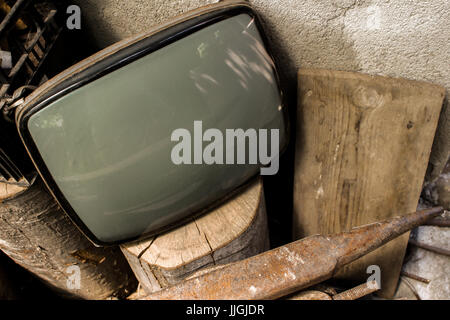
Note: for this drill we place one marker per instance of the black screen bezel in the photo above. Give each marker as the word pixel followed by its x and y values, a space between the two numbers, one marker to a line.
pixel 111 63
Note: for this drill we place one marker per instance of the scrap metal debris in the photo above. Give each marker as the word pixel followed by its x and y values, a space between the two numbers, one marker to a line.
pixel 415 277
pixel 358 292
pixel 443 222
pixel 295 266
pixel 431 248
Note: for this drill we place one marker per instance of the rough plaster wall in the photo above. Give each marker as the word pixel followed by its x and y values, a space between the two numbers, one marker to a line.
pixel 401 38
pixel 112 20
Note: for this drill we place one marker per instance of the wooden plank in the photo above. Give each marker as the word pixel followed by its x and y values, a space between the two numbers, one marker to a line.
pixel 363 144
pixel 233 231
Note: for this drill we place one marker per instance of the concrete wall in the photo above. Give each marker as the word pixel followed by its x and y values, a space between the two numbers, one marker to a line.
pixel 400 38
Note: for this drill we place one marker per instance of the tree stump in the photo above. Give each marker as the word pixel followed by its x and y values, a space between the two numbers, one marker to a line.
pixel 39 236
pixel 363 144
pixel 233 231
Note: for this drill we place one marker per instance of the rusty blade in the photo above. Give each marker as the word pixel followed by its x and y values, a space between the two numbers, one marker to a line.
pixel 443 222
pixel 292 267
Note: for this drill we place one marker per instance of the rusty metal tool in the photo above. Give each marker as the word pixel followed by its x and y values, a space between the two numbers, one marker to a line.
pixel 292 267
pixel 442 221
pixel 439 222
pixel 431 248
pixel 358 292
pixel 415 277
pixel 411 287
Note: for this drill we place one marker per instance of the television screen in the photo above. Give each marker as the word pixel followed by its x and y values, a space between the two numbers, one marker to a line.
pixel 145 133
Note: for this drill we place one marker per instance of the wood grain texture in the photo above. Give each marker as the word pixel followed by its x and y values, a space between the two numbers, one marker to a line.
pixel 39 236
pixel 363 144
pixel 233 231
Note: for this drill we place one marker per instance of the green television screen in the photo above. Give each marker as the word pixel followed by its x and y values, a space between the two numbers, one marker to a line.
pixel 121 139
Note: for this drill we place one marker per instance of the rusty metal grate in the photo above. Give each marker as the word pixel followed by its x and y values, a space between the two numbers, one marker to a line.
pixel 28 31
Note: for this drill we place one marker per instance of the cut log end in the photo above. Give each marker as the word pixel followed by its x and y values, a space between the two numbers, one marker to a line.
pixel 233 231
pixel 9 191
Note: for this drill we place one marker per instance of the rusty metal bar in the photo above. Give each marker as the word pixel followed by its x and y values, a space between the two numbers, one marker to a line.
pixel 292 267
pixel 443 221
pixel 358 292
pixel 431 248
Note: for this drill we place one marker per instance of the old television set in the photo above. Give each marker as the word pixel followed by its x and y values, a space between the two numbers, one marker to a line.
pixel 99 133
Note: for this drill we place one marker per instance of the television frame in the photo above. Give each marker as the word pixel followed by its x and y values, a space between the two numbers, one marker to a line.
pixel 113 58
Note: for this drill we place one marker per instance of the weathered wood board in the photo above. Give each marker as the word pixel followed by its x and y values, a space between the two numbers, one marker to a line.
pixel 362 148
pixel 233 231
